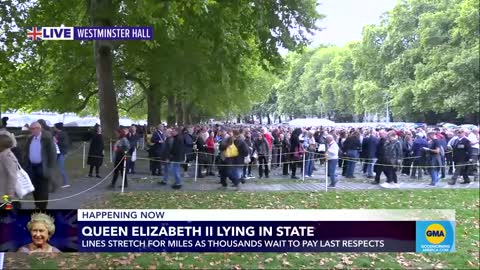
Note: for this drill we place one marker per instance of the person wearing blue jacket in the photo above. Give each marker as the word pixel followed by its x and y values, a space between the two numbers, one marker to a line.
pixel 371 147
pixel 417 148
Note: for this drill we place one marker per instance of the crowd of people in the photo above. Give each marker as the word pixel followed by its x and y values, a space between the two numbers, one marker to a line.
pixel 234 151
pixel 42 156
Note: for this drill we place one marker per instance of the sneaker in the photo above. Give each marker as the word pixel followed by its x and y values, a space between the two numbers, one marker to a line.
pixel 176 186
pixel 65 186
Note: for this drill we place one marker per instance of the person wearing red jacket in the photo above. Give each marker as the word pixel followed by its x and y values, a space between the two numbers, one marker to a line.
pixel 211 152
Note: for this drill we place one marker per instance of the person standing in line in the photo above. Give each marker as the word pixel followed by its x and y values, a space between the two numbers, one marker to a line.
pixel 393 155
pixel 407 153
pixel 158 140
pixel 474 138
pixel 120 150
pixel 95 152
pixel 351 148
pixel 381 158
pixel 62 142
pixel 371 145
pixel 8 167
pixel 247 168
pixel 332 159
pixel 233 150
pixel 419 153
pixel 310 154
pixel 433 157
pixel 41 161
pixel 261 147
pixel 461 150
pixel 285 137
pixel 175 149
pixel 211 153
pixel 133 139
pixel 296 150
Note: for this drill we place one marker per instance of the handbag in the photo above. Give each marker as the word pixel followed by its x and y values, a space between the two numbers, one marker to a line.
pixel 134 155
pixel 247 159
pixel 23 185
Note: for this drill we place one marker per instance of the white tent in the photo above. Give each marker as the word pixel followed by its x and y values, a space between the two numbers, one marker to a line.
pixel 21 120
pixel 84 122
pixel 311 122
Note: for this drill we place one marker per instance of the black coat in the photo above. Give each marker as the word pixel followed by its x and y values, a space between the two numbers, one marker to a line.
pixel 95 152
pixel 177 150
pixel 461 150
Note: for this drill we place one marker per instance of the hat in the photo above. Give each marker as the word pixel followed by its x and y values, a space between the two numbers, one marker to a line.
pixel 4 121
pixel 59 126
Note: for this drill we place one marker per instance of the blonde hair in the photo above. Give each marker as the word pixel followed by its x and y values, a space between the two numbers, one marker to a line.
pixel 46 219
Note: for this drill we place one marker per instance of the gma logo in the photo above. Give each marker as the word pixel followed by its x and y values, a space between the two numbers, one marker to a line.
pixel 435 234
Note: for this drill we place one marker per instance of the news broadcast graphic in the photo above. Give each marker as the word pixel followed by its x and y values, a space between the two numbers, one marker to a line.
pixel 435 236
pixel 30 231
pixel 91 33
pixel 252 230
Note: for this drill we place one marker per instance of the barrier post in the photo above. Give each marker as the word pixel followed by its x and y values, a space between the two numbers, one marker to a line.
pixel 124 171
pixel 326 173
pixel 83 157
pixel 303 166
pixel 196 167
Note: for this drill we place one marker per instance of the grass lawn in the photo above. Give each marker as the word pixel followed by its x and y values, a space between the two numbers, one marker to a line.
pixel 465 202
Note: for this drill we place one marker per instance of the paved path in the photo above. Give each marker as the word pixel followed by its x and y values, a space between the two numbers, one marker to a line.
pixel 91 189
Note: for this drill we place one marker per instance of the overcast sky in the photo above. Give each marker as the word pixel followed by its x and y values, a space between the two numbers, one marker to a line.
pixel 345 19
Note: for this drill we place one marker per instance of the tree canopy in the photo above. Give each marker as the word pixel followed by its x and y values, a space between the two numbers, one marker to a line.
pixel 422 58
pixel 202 61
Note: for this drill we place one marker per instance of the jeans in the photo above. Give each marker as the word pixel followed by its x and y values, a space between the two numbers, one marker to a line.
pixel 174 169
pixel 332 166
pixel 352 155
pixel 434 174
pixel 232 172
pixel 309 163
pixel 370 164
pixel 61 167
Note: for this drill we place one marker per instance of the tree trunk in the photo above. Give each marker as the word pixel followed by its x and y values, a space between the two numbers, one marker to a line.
pixel 153 106
pixel 239 119
pixel 180 112
pixel 171 110
pixel 260 118
pixel 269 121
pixel 279 119
pixel 101 14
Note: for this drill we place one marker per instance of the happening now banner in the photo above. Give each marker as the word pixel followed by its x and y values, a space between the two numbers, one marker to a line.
pixel 255 230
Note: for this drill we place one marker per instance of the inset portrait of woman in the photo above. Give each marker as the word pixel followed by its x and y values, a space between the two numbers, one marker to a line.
pixel 41 228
